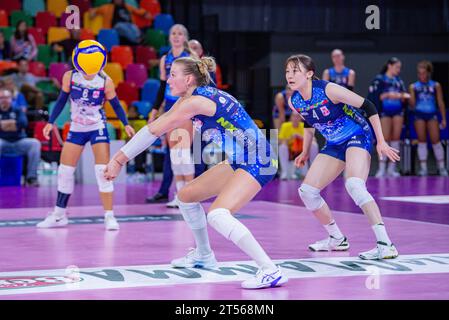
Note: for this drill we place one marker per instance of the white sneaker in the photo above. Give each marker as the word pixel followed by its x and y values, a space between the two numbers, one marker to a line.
pixel 442 172
pixel 195 260
pixel 330 244
pixel 380 173
pixel 422 172
pixel 381 251
pixel 173 204
pixel 110 223
pixel 265 279
pixel 53 221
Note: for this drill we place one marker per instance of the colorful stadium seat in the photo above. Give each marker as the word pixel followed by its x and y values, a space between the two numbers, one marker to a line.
pixel 128 92
pixel 56 34
pixel 163 22
pixel 115 71
pixel 45 20
pixel 57 6
pixel 32 7
pixel 122 55
pixel 18 15
pixel 149 90
pixel 38 35
pixel 57 70
pixel 136 73
pixel 108 38
pixel 37 68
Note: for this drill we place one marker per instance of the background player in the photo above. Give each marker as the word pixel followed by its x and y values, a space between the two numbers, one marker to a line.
pixel 328 108
pixel 340 74
pixel 88 88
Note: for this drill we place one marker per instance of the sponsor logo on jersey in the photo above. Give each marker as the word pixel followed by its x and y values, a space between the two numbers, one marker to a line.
pixel 222 100
pixel 95 94
pixel 325 111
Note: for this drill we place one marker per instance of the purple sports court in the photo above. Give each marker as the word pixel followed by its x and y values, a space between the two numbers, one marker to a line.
pixel 83 261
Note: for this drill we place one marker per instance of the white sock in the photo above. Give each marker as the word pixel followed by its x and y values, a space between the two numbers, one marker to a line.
pixel 195 217
pixel 60 212
pixel 395 144
pixel 232 229
pixel 382 165
pixel 180 184
pixel 283 158
pixel 333 230
pixel 109 213
pixel 381 233
pixel 391 166
pixel 439 154
pixel 422 155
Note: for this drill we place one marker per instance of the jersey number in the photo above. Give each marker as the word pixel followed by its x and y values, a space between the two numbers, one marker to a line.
pixel 315 115
pixel 85 93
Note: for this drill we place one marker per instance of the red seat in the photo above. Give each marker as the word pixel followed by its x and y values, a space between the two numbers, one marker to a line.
pixel 128 92
pixel 46 145
pixel 57 70
pixel 122 55
pixel 37 68
pixel 83 5
pixel 153 6
pixel 145 54
pixel 11 5
pixel 4 22
pixel 45 20
pixel 38 35
pixel 86 34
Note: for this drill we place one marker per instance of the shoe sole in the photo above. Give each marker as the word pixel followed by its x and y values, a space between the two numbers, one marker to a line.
pixel 194 266
pixel 282 280
pixel 384 258
pixel 336 249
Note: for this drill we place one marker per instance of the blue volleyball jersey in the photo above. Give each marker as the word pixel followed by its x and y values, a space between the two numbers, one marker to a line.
pixel 340 78
pixel 336 122
pixel 394 84
pixel 425 95
pixel 169 59
pixel 231 128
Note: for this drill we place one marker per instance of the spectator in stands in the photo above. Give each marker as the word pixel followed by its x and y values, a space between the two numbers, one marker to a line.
pixel 23 45
pixel 5 49
pixel 26 82
pixel 18 99
pixel 117 15
pixel 290 146
pixel 64 48
pixel 196 47
pixel 13 138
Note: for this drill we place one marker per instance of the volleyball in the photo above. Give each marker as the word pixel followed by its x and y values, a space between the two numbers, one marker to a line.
pixel 89 57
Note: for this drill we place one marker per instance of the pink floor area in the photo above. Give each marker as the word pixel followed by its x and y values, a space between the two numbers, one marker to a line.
pixel 151 235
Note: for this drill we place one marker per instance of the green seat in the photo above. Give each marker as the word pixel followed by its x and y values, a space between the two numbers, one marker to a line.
pixel 98 3
pixel 16 16
pixel 111 131
pixel 154 72
pixel 8 32
pixel 155 38
pixel 32 7
pixel 63 117
pixel 46 55
pixel 47 87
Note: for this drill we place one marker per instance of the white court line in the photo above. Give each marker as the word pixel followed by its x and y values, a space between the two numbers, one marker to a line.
pixel 360 214
pixel 64 280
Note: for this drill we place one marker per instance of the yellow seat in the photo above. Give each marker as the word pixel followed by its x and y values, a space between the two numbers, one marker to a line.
pixel 109 111
pixel 57 34
pixel 115 71
pixel 57 7
pixel 94 24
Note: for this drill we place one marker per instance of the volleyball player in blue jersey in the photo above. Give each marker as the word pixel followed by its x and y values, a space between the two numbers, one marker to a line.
pixel 332 110
pixel 426 100
pixel 251 164
pixel 339 73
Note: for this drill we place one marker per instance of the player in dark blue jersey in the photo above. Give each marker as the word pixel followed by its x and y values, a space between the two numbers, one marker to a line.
pixel 332 110
pixel 389 94
pixel 426 99
pixel 177 159
pixel 339 73
pixel 251 163
pixel 280 109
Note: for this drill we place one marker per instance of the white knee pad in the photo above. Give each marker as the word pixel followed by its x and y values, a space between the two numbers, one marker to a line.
pixel 193 214
pixel 103 184
pixel 356 188
pixel 311 197
pixel 181 162
pixel 228 226
pixel 66 179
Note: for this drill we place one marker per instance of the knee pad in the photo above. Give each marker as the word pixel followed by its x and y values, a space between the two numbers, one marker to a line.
pixel 193 213
pixel 181 162
pixel 66 179
pixel 311 197
pixel 228 226
pixel 356 188
pixel 103 184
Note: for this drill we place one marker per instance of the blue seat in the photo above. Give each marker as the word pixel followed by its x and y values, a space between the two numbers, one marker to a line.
pixel 149 90
pixel 108 38
pixel 32 7
pixel 163 22
pixel 143 107
pixel 163 50
pixel 10 169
